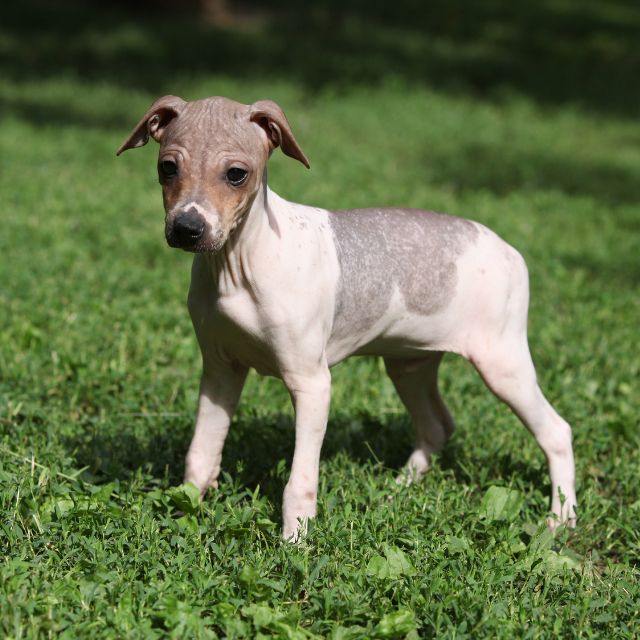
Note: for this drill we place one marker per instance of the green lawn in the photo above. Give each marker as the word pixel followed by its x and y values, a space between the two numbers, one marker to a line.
pixel 533 133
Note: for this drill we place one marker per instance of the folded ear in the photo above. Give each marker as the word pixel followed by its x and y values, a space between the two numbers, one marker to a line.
pixel 154 122
pixel 271 118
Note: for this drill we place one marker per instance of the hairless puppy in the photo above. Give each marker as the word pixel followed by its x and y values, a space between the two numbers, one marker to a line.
pixel 292 290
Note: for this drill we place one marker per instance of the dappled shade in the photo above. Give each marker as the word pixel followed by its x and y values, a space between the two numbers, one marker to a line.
pixel 553 51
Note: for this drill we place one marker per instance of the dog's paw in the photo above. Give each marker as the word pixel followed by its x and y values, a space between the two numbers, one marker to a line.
pixel 415 468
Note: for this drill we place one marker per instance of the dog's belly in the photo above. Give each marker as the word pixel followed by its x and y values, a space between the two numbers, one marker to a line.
pixel 395 333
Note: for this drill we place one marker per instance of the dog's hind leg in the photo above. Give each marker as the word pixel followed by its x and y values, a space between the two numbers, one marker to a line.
pixel 497 346
pixel 506 367
pixel 416 381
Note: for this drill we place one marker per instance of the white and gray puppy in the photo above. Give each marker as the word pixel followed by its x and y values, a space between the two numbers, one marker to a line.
pixel 292 290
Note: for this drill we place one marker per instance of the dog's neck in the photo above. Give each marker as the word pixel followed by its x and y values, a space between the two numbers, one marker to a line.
pixel 253 234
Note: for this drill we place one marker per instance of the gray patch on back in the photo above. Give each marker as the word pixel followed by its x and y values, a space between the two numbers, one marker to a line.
pixel 378 248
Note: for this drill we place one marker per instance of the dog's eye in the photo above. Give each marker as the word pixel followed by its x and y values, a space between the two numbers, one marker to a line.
pixel 168 168
pixel 236 176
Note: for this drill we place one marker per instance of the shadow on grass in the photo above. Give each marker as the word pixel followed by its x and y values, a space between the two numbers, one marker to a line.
pixel 49 112
pixel 502 169
pixel 553 51
pixel 253 450
pixel 616 273
pixel 258 452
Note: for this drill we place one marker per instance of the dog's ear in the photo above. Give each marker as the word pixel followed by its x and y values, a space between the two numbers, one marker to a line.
pixel 268 115
pixel 154 122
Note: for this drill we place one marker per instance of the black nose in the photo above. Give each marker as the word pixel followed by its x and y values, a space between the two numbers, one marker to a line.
pixel 187 229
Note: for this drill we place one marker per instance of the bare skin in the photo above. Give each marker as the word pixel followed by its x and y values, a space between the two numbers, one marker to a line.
pixel 291 290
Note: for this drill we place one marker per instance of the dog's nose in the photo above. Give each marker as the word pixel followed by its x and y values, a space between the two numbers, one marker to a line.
pixel 188 227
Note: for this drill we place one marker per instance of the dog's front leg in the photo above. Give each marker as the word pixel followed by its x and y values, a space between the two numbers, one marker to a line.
pixel 311 395
pixel 220 390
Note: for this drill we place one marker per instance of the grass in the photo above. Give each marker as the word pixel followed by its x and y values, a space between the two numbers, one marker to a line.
pixel 99 366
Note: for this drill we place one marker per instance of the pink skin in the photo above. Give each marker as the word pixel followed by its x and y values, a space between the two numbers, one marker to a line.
pixel 291 290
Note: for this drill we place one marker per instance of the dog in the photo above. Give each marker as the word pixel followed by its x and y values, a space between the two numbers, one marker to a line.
pixel 291 290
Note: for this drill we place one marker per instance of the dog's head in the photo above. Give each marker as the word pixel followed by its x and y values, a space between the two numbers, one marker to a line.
pixel 211 162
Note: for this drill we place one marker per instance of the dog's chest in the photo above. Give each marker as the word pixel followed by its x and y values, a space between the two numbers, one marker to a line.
pixel 237 326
